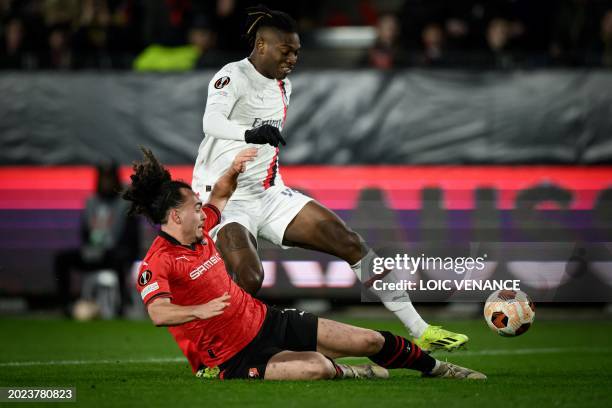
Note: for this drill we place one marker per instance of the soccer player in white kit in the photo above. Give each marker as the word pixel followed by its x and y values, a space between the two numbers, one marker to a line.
pixel 247 105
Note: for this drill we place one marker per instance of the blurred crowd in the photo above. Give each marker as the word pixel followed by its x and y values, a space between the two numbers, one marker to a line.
pixel 191 34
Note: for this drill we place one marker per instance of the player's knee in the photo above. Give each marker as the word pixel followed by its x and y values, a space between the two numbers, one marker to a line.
pixel 250 277
pixel 319 368
pixel 354 242
pixel 336 238
pixel 351 245
pixel 233 239
pixel 372 342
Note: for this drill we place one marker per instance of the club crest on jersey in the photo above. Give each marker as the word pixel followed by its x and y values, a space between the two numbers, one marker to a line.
pixel 253 373
pixel 222 82
pixel 144 277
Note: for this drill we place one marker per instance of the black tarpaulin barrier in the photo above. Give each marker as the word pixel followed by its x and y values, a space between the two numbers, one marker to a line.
pixel 335 117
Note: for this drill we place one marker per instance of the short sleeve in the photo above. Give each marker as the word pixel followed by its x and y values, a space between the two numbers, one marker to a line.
pixel 153 279
pixel 213 216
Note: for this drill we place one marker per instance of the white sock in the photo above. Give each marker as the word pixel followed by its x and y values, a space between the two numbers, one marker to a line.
pixel 401 305
pixel 436 368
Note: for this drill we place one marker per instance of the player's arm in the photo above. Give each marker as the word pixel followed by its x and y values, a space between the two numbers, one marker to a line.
pixel 223 92
pixel 227 183
pixel 164 313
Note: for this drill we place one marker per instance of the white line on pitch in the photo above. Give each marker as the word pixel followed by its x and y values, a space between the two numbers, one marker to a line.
pixel 81 362
pixel 498 352
pixel 548 350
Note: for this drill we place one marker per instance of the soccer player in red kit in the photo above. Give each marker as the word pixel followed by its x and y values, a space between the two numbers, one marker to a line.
pixel 185 286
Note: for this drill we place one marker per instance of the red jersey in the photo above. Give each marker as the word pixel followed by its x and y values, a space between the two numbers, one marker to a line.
pixel 193 275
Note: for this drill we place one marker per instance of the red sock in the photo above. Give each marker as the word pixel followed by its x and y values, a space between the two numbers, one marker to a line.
pixel 398 352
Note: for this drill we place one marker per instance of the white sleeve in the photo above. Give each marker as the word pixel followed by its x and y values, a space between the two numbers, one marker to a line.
pixel 224 91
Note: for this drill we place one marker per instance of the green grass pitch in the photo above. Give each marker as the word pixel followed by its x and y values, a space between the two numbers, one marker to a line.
pixel 133 364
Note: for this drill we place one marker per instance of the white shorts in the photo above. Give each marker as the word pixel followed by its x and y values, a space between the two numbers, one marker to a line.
pixel 266 216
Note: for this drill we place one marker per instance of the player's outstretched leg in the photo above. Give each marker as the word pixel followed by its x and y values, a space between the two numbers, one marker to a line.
pixel 299 365
pixel 310 365
pixel 390 351
pixel 398 352
pixel 316 227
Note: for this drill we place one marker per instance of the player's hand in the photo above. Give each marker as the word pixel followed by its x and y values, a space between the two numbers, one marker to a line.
pixel 264 134
pixel 242 158
pixel 213 308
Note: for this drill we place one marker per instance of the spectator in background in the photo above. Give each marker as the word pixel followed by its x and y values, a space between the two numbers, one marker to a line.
pixel 485 31
pixel 606 39
pixel 109 238
pixel 575 29
pixel 499 36
pixel 433 51
pixel 227 22
pixel 59 54
pixel 463 22
pixel 457 33
pixel 91 35
pixel 166 22
pixel 415 15
pixel 196 54
pixel 33 31
pixel 203 38
pixel 227 19
pixel 64 34
pixel 60 12
pixel 362 13
pixel 368 13
pixel 386 51
pixel 125 32
pixel 12 53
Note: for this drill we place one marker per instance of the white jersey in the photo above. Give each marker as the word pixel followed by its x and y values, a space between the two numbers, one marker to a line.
pixel 240 98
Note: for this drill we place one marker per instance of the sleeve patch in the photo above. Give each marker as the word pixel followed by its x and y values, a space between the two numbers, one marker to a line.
pixel 222 82
pixel 145 277
pixel 148 289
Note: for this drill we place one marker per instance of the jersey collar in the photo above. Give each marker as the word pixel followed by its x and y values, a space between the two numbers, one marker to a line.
pixel 175 241
pixel 256 75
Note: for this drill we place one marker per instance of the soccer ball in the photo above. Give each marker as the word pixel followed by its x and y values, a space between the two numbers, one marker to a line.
pixel 509 313
pixel 85 310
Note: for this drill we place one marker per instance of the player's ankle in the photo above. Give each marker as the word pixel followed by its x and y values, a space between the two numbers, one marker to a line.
pixel 436 369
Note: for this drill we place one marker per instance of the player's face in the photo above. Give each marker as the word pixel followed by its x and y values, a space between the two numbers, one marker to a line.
pixel 192 217
pixel 282 54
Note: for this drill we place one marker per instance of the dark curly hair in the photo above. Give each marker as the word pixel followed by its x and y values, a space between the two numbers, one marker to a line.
pixel 152 191
pixel 261 16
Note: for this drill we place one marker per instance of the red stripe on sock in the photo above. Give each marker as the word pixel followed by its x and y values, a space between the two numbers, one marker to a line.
pixel 406 362
pixel 412 356
pixel 399 352
pixel 339 372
